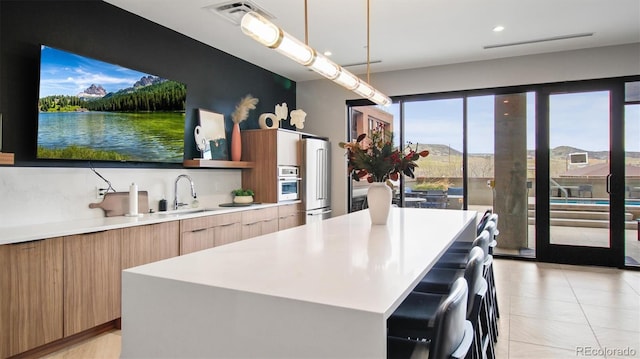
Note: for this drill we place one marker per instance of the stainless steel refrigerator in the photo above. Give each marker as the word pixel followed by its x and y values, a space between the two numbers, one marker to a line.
pixel 316 179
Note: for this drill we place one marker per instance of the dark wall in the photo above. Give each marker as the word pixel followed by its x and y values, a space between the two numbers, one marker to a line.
pixel 215 80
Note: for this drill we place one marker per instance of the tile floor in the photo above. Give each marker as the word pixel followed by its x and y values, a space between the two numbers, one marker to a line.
pixel 547 311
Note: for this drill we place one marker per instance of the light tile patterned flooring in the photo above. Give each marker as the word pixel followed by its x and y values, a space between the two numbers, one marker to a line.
pixel 547 311
pixel 562 311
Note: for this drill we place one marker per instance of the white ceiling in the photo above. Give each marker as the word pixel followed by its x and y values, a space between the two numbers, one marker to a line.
pixel 405 33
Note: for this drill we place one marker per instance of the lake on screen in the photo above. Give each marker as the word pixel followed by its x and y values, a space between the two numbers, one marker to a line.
pixel 154 136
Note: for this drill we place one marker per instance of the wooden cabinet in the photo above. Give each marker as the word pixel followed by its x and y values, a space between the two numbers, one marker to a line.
pixel 210 231
pixel 268 149
pixel 290 215
pixel 31 284
pixel 91 280
pixel 257 222
pixel 150 243
pixel 289 150
pixel 54 288
pixel 196 240
pixel 227 229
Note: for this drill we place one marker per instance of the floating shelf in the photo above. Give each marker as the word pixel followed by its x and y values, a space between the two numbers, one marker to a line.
pixel 6 158
pixel 200 163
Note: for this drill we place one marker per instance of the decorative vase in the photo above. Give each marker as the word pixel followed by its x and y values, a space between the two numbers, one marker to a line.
pixel 236 143
pixel 379 201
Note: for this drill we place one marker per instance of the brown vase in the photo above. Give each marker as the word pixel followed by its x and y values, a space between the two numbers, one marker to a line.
pixel 236 143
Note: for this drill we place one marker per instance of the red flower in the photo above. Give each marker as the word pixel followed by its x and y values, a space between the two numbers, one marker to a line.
pixel 376 159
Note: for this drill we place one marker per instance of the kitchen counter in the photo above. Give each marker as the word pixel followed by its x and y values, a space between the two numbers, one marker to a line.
pixel 324 289
pixel 18 234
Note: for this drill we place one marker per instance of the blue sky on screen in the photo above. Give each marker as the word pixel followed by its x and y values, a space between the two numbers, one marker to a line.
pixel 64 73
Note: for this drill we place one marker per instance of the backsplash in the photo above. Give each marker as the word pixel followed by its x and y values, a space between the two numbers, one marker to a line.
pixel 33 195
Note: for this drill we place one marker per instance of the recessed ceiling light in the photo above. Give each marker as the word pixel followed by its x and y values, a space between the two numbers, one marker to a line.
pixel 328 53
pixel 498 28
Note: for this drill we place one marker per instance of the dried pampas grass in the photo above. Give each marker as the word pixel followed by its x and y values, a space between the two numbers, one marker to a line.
pixel 243 107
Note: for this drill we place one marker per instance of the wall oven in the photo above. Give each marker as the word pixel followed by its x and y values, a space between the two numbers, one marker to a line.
pixel 288 183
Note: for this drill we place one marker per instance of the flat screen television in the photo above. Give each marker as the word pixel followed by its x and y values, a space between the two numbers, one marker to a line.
pixel 579 158
pixel 93 110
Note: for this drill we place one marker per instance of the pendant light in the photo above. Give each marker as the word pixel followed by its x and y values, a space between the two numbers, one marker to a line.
pixel 268 34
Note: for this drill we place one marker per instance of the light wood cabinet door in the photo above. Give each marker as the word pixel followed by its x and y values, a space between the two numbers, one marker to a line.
pixel 289 216
pixel 269 225
pixel 31 294
pixel 289 149
pixel 196 240
pixel 150 243
pixel 92 281
pixel 259 221
pixel 228 228
pixel 210 231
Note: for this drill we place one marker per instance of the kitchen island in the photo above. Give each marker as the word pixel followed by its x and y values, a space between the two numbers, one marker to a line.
pixel 320 290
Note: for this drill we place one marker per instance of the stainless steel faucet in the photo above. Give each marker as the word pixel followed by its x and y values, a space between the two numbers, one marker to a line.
pixel 176 204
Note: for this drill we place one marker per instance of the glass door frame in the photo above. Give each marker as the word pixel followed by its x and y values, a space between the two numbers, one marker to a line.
pixel 613 256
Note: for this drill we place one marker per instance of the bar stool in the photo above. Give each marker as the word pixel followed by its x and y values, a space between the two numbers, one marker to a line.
pixel 447 333
pixel 494 241
pixel 457 259
pixel 478 311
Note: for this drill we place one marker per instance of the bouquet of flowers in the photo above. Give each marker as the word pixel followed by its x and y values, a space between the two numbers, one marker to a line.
pixel 378 160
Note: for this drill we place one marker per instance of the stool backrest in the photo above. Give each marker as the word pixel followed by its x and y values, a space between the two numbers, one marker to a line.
pixel 483 241
pixel 483 222
pixel 494 218
pixel 473 274
pixel 450 322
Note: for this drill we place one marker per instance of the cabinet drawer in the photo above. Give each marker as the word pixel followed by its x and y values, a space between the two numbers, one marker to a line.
pixel 196 240
pixel 289 210
pixel 226 219
pixel 194 224
pixel 259 215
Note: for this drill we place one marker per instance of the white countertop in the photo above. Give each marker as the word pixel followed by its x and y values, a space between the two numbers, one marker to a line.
pixel 322 290
pixel 17 234
pixel 343 261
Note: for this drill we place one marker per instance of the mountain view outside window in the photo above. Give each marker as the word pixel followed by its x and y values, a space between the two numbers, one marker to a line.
pixel 579 159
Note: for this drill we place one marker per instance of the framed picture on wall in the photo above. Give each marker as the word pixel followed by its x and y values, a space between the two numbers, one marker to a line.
pixel 212 135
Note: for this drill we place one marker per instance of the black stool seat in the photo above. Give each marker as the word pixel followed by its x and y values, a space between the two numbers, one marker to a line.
pixel 455 260
pixel 439 280
pixel 436 322
pixel 400 348
pixel 414 318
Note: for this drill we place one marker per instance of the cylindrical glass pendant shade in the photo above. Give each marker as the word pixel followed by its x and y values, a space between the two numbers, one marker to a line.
pixel 268 34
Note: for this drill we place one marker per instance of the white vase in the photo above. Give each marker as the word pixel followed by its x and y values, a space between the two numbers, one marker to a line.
pixel 379 201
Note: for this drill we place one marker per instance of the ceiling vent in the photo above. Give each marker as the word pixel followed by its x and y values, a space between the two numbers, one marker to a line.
pixel 526 42
pixel 235 10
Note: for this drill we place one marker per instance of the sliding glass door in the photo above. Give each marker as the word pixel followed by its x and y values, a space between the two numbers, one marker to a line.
pixel 437 126
pixel 558 162
pixel 632 173
pixel 580 166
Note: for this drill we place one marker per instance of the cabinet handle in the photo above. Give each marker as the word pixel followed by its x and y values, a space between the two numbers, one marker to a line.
pixel 82 234
pixel 251 224
pixel 228 224
pixel 199 230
